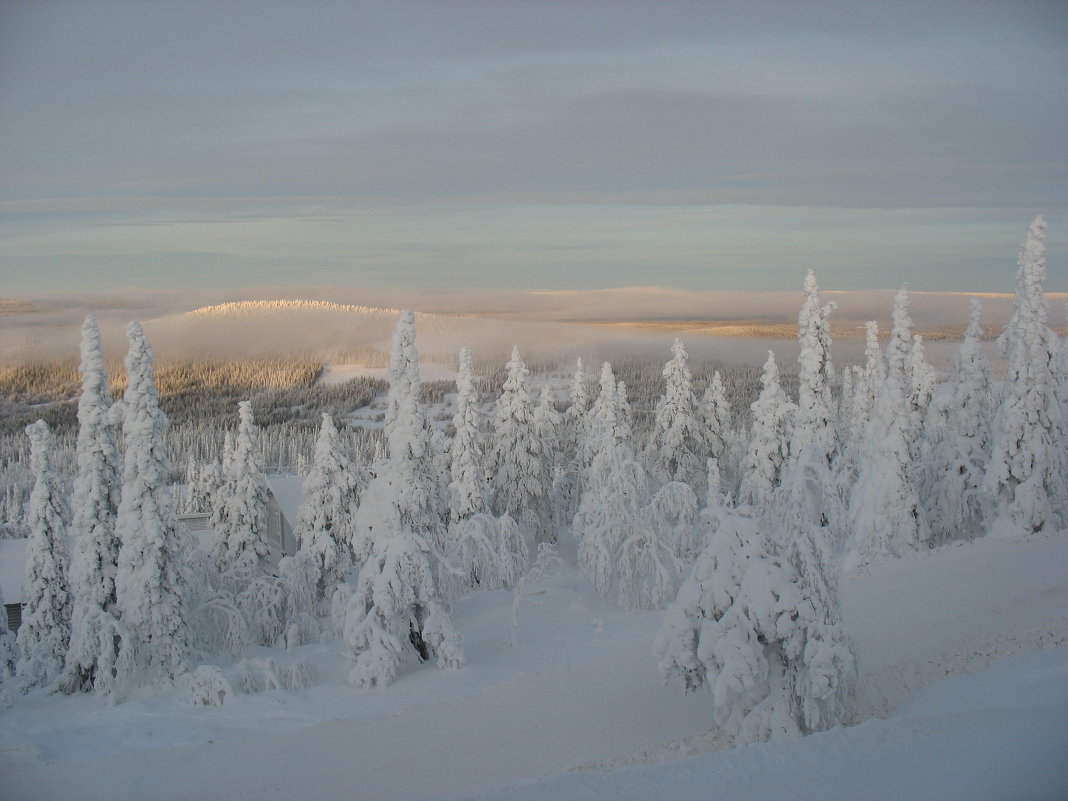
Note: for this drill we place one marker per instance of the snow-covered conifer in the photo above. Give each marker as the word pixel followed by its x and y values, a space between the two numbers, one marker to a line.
pixel 715 418
pixel 1026 478
pixel 884 507
pixel 601 421
pixel 749 627
pixel 962 449
pixel 653 556
pixel 815 420
pixel 150 582
pixel 866 388
pixel 324 527
pixel 610 511
pixel 547 423
pixel 240 515
pixel 96 485
pixel 520 487
pixel 490 551
pixel 769 441
pixel 97 649
pixel 45 631
pixel 567 483
pixel 397 609
pixel 205 487
pixel 676 444
pixel 921 377
pixel 616 488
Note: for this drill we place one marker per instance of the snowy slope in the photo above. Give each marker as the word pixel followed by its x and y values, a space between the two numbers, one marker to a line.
pixel 580 690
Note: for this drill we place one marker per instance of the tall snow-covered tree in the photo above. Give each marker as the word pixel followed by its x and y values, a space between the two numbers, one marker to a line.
pixel 814 449
pixel 715 418
pixel 240 514
pixel 615 490
pixel 1026 478
pixel 676 446
pixel 567 484
pixel 45 631
pixel 548 424
pixel 96 645
pixel 866 389
pixel 749 627
pixel 815 421
pixel 769 441
pixel 962 449
pixel 469 489
pixel 654 553
pixel 324 527
pixel 397 609
pixel 884 507
pixel 150 579
pixel 520 486
pixel 922 377
pixel 490 551
pixel 96 485
pixel 610 511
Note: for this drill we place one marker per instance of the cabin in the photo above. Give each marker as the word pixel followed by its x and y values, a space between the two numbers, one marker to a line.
pixel 12 577
pixel 284 497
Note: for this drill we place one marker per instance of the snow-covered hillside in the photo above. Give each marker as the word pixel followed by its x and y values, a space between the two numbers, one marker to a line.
pixel 576 709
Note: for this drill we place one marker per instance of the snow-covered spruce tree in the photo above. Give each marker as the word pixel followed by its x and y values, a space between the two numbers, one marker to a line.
pixel 521 489
pixel 567 483
pixel 846 398
pixel 548 424
pixel 205 489
pixel 676 444
pixel 714 413
pixel 397 609
pixel 866 388
pixel 45 631
pixel 97 650
pixel 922 377
pixel 769 441
pixel 325 521
pixel 654 554
pixel 491 552
pixel 469 489
pixel 616 488
pixel 814 448
pixel 601 421
pixel 962 447
pixel 150 579
pixel 749 627
pixel 1027 478
pixel 815 421
pixel 240 517
pixel 884 508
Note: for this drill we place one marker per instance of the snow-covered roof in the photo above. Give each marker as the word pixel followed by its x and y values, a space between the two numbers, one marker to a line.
pixel 288 491
pixel 12 570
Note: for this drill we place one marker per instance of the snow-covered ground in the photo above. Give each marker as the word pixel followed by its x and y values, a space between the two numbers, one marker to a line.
pixel 576 710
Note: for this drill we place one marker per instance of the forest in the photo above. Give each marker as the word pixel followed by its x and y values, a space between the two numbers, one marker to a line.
pixel 734 501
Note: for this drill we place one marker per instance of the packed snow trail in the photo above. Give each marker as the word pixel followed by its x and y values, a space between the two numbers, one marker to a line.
pixel 529 726
pixel 996 735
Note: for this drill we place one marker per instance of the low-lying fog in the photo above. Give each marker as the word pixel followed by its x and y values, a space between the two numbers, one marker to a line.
pixel 545 325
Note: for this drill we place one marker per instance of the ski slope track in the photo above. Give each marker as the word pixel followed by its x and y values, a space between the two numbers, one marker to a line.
pixel 965 695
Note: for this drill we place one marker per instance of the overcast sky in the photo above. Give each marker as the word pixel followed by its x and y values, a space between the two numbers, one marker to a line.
pixel 544 145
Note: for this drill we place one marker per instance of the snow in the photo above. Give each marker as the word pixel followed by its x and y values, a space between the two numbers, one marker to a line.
pixel 576 709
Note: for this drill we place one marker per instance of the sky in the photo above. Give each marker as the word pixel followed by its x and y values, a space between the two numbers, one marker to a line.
pixel 506 145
